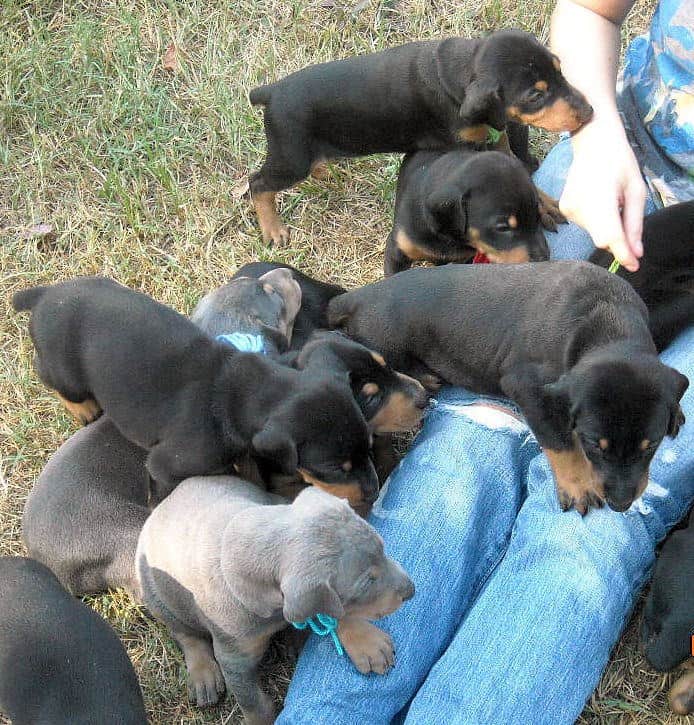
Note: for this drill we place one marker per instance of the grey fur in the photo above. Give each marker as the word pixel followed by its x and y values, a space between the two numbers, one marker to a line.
pixel 248 305
pixel 226 565
pixel 84 514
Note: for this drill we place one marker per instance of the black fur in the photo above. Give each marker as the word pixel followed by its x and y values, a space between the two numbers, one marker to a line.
pixel 60 662
pixel 668 616
pixel 449 205
pixel 568 341
pixel 193 403
pixel 665 278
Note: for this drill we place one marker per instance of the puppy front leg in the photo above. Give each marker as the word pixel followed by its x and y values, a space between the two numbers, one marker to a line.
pixel 549 419
pixel 271 225
pixel 240 669
pixel 550 215
pixel 369 648
pixel 205 680
pixel 394 260
pixel 575 479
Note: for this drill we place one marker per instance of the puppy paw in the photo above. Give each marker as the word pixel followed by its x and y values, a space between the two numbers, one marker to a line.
pixel 369 648
pixel 320 171
pixel 575 480
pixel 205 683
pixel 276 235
pixel 550 215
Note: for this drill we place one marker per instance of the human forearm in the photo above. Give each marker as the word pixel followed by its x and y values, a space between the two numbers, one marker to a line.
pixel 587 41
pixel 604 190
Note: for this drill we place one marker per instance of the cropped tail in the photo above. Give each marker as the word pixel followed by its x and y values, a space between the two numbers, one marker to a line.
pixel 26 299
pixel 260 96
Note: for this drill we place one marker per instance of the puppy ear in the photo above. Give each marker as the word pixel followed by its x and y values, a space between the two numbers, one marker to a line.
pixel 276 445
pixel 305 597
pixel 676 384
pixel 448 207
pixel 483 104
pixel 557 400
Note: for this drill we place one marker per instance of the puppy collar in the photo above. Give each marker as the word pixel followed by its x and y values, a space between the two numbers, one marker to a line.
pixel 614 266
pixel 244 342
pixel 324 626
pixel 493 136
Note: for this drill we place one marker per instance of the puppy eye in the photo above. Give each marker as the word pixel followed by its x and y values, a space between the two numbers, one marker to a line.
pixel 536 95
pixel 502 227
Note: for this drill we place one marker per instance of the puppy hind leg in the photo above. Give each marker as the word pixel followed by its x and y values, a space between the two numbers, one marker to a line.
pixel 287 163
pixel 205 679
pixel 240 669
pixel 85 411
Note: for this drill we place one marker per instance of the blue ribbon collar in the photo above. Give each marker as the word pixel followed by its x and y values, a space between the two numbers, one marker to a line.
pixel 326 625
pixel 244 342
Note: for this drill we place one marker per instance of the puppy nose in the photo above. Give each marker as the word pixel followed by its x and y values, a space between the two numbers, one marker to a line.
pixel 618 504
pixel 407 591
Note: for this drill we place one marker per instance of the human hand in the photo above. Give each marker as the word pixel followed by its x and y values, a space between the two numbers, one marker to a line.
pixel 605 192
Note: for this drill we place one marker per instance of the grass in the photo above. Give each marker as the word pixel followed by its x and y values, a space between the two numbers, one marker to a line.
pixel 132 170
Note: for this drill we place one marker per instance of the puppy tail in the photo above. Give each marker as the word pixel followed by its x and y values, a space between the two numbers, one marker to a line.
pixel 26 299
pixel 260 96
pixel 338 311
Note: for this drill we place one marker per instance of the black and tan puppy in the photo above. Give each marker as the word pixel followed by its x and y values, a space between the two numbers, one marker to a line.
pixel 84 514
pixel 427 95
pixel 60 662
pixel 665 278
pixel 667 628
pixel 195 404
pixel 265 308
pixel 246 564
pixel 315 296
pixel 568 341
pixel 390 401
pixel 450 205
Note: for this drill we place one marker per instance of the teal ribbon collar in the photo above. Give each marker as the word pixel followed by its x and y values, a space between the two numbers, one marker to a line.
pixel 326 625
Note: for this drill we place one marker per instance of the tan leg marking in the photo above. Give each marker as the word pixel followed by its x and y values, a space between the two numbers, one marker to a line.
pixel 271 225
pixel 320 170
pixel 369 648
pixel 550 215
pixel 85 412
pixel 474 134
pixel 576 482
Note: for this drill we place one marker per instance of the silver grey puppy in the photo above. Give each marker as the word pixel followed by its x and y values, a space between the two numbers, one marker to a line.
pixel 266 306
pixel 225 566
pixel 85 512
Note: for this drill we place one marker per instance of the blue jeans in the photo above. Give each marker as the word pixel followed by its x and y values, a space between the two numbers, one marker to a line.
pixel 518 605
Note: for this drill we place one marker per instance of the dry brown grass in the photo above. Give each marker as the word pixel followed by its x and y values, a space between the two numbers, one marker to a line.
pixel 133 168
